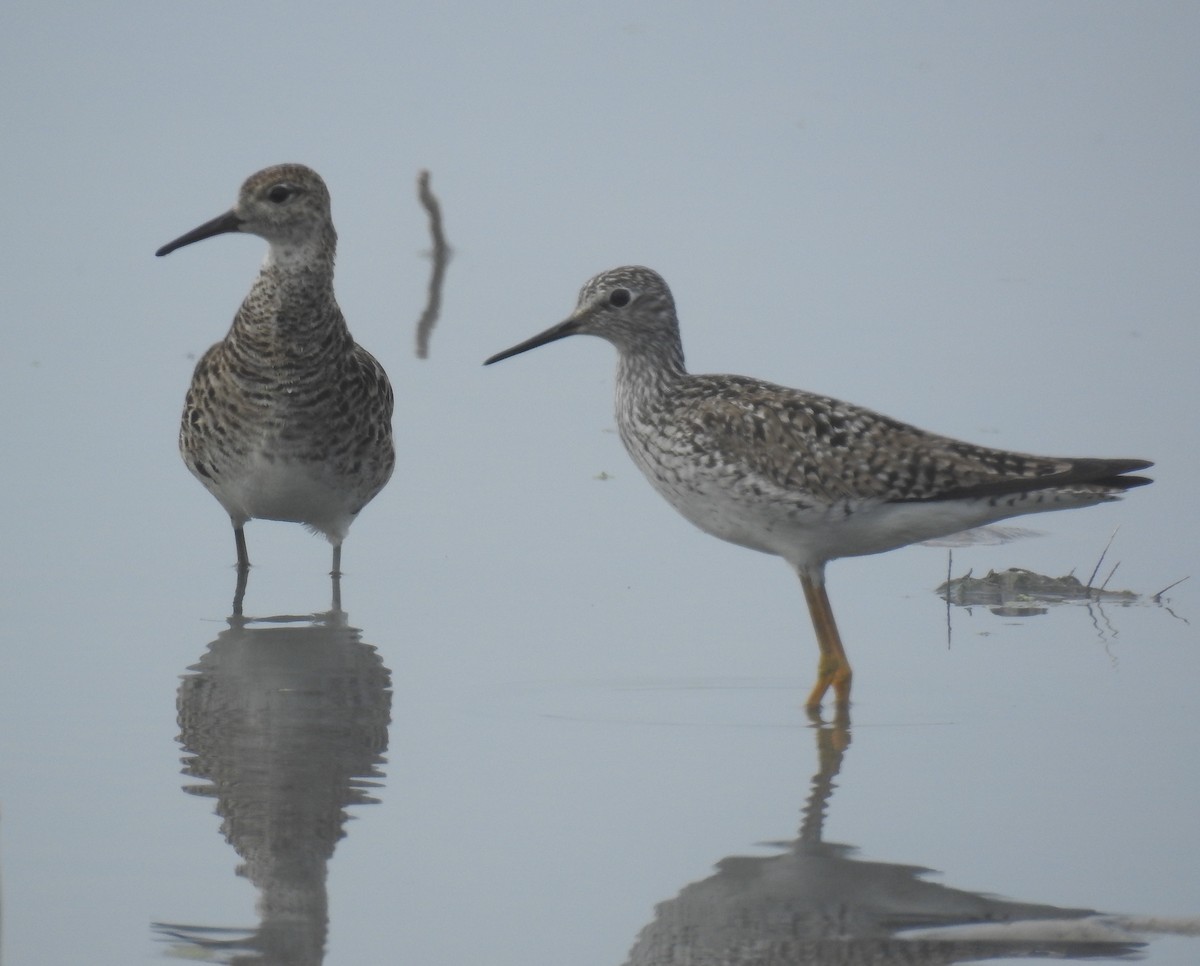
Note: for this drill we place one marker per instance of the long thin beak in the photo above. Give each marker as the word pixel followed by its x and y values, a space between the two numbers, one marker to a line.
pixel 552 334
pixel 218 226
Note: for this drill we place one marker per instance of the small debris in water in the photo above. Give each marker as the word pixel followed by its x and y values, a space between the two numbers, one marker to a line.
pixel 1019 592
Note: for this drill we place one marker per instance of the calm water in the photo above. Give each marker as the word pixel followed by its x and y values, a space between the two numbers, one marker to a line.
pixel 204 786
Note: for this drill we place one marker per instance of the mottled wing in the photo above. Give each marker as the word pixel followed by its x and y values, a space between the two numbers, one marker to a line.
pixel 366 405
pixel 800 442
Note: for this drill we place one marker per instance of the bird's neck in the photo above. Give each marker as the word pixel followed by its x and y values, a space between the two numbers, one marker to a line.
pixel 311 253
pixel 651 371
pixel 291 307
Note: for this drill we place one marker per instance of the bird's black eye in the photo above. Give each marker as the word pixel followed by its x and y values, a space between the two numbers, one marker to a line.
pixel 619 297
pixel 279 194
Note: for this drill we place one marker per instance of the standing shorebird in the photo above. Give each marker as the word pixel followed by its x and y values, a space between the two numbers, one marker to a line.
pixel 802 476
pixel 287 417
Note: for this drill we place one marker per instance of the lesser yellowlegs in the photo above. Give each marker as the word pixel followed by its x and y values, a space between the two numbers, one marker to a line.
pixel 287 418
pixel 802 476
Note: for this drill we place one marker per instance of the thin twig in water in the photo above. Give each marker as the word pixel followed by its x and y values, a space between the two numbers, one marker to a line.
pixel 440 255
pixel 1158 596
pixel 1108 578
pixel 949 591
pixel 1096 570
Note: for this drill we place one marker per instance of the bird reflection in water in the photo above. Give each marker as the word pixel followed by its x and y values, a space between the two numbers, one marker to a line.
pixel 285 720
pixel 817 904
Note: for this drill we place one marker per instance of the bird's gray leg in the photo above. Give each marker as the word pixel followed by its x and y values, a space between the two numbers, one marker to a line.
pixel 335 578
pixel 239 592
pixel 239 537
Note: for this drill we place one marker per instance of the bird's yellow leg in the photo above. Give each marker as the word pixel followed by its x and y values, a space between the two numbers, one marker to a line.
pixel 833 669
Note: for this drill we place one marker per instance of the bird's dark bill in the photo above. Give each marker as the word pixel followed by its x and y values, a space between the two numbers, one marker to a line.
pixel 218 226
pixel 552 334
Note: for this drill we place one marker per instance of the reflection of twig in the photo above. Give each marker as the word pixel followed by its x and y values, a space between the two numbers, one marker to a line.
pixel 441 258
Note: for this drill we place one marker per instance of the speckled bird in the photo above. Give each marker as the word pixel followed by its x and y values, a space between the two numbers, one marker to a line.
pixel 287 417
pixel 798 475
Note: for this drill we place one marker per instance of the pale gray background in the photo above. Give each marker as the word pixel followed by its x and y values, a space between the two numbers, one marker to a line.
pixel 981 218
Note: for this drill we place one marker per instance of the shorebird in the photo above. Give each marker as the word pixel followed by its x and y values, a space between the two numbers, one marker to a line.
pixel 802 476
pixel 287 417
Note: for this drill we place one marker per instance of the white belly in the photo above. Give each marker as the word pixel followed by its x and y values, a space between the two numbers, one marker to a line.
pixel 807 533
pixel 280 489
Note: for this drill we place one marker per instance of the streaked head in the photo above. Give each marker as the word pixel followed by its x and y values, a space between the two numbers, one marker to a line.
pixel 287 204
pixel 631 307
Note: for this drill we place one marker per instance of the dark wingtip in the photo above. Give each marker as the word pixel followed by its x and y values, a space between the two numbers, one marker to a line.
pixel 1108 473
pixel 1116 476
pixel 1126 482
